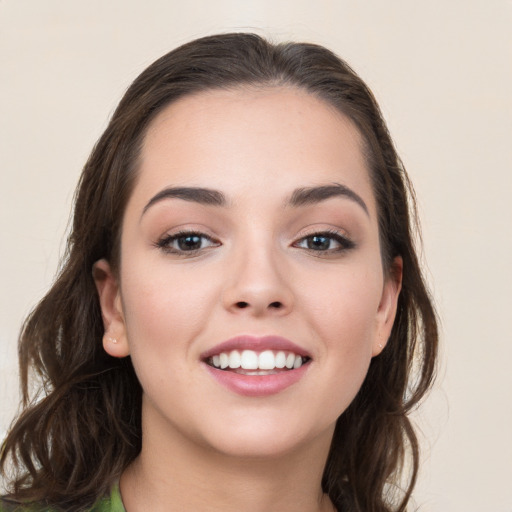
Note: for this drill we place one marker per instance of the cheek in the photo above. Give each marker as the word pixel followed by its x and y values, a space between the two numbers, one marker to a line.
pixel 344 308
pixel 164 313
pixel 343 315
pixel 164 306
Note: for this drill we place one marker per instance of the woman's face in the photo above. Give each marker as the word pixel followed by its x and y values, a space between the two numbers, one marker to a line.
pixel 250 238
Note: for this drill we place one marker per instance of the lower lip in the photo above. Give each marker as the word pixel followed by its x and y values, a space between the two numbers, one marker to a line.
pixel 257 385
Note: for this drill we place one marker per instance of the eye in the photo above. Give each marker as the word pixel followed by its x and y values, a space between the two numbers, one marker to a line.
pixel 186 242
pixel 326 242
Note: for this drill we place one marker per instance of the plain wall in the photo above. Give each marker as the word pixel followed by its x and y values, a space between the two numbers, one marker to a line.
pixel 441 71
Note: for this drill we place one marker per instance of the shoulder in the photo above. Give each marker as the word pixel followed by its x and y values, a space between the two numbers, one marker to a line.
pixel 111 503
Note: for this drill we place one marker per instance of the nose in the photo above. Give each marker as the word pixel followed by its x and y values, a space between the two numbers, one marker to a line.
pixel 258 284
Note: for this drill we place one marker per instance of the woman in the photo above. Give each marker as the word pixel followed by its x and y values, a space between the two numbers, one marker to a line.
pixel 240 309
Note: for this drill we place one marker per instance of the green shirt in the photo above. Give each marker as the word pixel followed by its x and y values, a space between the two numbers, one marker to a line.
pixel 112 503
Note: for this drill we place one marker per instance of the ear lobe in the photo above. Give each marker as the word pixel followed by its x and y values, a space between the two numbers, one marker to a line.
pixel 114 338
pixel 388 306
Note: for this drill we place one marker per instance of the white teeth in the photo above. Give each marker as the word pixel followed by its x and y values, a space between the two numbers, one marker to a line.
pixel 251 360
pixel 224 360
pixel 257 372
pixel 280 360
pixel 266 360
pixel 234 359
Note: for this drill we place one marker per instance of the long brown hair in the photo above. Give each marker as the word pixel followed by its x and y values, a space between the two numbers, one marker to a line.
pixel 82 427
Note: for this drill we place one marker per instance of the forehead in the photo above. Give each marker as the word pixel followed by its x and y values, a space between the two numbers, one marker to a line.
pixel 236 140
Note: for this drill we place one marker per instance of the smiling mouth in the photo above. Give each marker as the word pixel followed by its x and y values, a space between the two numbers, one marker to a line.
pixel 250 362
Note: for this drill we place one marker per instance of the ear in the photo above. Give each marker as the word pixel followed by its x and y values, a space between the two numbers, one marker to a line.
pixel 114 339
pixel 388 306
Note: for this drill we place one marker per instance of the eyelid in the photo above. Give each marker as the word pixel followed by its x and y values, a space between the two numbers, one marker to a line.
pixel 344 241
pixel 163 243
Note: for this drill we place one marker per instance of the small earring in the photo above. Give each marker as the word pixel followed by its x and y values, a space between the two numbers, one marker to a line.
pixel 113 340
pixel 380 345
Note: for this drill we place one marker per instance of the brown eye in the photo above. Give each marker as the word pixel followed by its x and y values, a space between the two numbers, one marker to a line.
pixel 325 242
pixel 189 242
pixel 183 243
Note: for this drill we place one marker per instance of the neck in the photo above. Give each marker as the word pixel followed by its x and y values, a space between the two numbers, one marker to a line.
pixel 175 473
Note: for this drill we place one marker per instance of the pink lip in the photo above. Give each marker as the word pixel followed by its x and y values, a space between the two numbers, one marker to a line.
pixel 256 385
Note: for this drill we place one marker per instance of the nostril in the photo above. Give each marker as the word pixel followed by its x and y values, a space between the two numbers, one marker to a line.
pixel 272 305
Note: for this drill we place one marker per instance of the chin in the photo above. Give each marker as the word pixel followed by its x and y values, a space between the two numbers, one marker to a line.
pixel 266 437
pixel 260 447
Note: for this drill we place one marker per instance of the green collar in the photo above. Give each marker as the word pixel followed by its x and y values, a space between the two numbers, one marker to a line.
pixel 112 503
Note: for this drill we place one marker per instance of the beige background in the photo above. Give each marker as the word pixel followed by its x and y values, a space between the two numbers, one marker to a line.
pixel 441 70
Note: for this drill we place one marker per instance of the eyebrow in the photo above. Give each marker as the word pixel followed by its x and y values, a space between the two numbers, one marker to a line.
pixel 206 196
pixel 300 197
pixel 312 195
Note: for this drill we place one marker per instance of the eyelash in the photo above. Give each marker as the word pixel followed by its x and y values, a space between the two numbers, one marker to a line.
pixel 344 243
pixel 166 242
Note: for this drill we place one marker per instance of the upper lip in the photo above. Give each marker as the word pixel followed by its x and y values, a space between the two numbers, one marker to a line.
pixel 256 343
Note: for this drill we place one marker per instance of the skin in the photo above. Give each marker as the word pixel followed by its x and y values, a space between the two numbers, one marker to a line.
pixel 204 446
